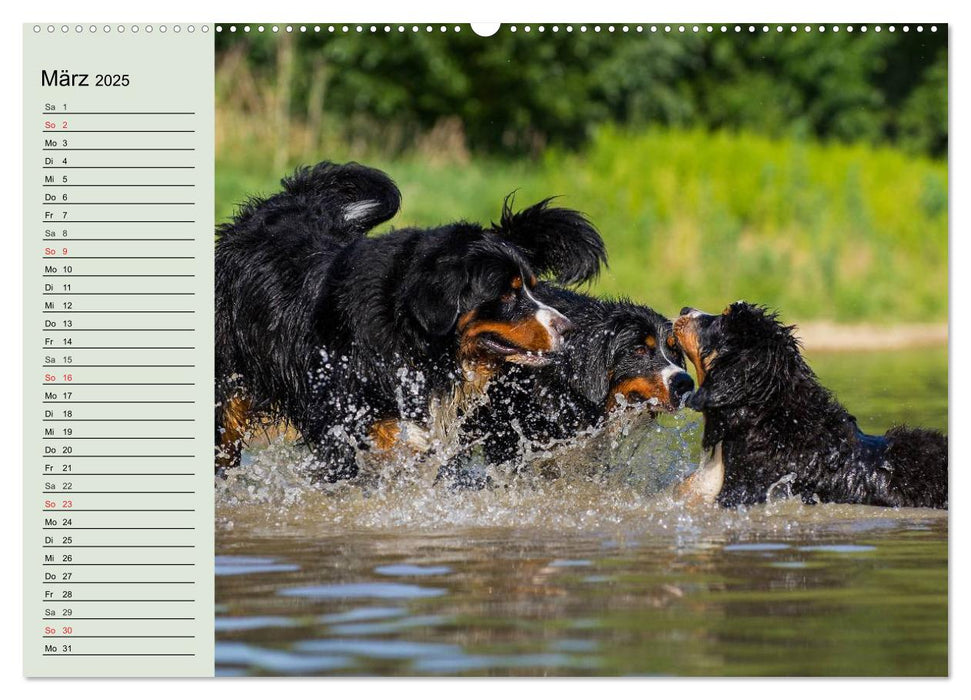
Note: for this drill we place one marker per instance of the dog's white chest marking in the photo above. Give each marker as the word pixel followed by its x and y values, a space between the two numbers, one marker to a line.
pixel 705 483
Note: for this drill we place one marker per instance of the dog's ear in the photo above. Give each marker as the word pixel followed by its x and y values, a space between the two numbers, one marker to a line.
pixel 434 300
pixel 589 364
pixel 746 379
pixel 557 242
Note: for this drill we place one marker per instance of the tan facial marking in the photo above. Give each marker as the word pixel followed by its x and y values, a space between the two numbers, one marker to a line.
pixel 686 333
pixel 651 342
pixel 645 388
pixel 528 335
pixel 517 282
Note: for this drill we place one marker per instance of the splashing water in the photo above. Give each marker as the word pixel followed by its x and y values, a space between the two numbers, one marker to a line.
pixel 607 475
pixel 581 563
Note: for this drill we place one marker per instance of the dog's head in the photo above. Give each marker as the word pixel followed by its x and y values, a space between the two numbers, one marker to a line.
pixel 482 293
pixel 629 356
pixel 741 357
pixel 480 286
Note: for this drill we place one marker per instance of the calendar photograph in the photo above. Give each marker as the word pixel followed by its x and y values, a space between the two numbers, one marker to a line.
pixel 581 350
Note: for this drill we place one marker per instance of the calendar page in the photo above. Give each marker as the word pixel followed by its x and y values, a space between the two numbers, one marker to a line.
pixel 465 350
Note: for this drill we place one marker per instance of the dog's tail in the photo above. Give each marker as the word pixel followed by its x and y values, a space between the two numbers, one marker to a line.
pixel 338 201
pixel 559 242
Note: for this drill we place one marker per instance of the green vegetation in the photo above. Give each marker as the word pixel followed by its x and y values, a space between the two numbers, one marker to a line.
pixel 847 232
pixel 518 92
pixel 801 170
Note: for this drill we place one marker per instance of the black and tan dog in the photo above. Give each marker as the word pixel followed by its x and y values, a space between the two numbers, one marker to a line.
pixel 768 421
pixel 344 335
pixel 617 354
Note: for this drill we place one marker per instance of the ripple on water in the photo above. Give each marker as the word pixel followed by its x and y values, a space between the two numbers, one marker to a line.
pixel 838 548
pixel 244 624
pixel 379 648
pixel 229 654
pixel 230 565
pixel 568 563
pixel 411 570
pixel 462 663
pixel 361 614
pixel 365 589
pixel 755 547
pixel 403 624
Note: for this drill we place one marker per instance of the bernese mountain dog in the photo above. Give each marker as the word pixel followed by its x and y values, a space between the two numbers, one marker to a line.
pixel 345 335
pixel 769 423
pixel 617 354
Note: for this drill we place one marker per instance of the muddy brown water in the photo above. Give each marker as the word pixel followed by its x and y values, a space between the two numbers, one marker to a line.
pixel 581 576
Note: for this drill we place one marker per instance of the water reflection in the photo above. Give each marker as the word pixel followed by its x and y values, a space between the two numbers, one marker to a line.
pixel 801 592
pixel 581 576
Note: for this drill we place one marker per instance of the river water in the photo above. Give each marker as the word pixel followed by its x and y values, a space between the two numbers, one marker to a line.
pixel 581 576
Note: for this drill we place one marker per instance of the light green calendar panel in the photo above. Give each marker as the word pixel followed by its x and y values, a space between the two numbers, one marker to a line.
pixel 118 202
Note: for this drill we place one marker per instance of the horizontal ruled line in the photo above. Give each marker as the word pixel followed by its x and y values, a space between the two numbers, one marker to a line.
pixel 118 618
pixel 73 474
pixel 147 184
pixel 121 402
pixel 118 131
pixel 119 510
pixel 48 240
pixel 118 366
pixel 142 456
pixel 72 527
pixel 120 420
pixel 72 491
pixel 121 564
pixel 123 311
pixel 122 113
pixel 114 437
pixel 119 167
pixel 125 600
pixel 120 294
pixel 113 636
pixel 122 583
pixel 111 204
pixel 119 546
pixel 118 221
pixel 119 384
pixel 118 149
pixel 67 654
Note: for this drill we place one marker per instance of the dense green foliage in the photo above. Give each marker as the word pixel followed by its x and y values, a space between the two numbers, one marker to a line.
pixel 518 92
pixel 822 231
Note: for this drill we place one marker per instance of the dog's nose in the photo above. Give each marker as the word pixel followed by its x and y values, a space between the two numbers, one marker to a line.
pixel 680 385
pixel 687 310
pixel 561 324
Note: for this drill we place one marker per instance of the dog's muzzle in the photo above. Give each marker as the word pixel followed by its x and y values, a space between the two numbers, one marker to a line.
pixel 556 325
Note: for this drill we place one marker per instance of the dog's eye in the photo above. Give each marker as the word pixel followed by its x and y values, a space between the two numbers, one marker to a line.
pixel 508 297
pixel 640 350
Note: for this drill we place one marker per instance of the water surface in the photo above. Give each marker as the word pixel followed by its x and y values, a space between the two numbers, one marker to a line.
pixel 587 577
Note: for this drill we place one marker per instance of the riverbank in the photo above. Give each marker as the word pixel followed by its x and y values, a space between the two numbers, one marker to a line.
pixel 826 336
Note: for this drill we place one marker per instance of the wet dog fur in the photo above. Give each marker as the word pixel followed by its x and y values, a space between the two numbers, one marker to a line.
pixel 617 353
pixel 768 421
pixel 336 332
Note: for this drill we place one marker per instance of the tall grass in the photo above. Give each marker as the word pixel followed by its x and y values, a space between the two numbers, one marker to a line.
pixel 821 231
